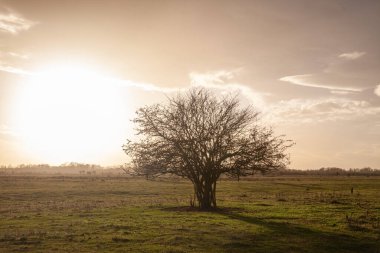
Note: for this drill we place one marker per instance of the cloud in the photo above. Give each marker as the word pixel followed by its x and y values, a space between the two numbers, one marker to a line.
pixel 14 70
pixel 20 56
pixel 377 90
pixel 120 82
pixel 6 132
pixel 352 55
pixel 9 59
pixel 216 77
pixel 13 23
pixel 143 86
pixel 341 75
pixel 319 110
pixel 223 82
pixel 306 80
pixel 341 92
pixel 220 81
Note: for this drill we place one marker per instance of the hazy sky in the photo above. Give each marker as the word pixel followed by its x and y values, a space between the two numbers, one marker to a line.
pixel 73 72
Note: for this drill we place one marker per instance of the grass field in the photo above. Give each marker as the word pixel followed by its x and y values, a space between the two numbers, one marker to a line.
pixel 88 214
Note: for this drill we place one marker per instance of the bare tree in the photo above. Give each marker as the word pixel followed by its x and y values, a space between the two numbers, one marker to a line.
pixel 200 137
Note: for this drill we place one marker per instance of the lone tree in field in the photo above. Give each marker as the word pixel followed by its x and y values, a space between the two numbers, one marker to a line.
pixel 200 137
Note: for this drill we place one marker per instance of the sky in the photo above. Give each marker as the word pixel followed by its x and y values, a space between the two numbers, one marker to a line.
pixel 73 72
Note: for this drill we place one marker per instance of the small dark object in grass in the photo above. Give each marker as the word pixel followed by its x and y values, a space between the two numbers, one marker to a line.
pixel 23 239
pixel 120 239
pixel 263 204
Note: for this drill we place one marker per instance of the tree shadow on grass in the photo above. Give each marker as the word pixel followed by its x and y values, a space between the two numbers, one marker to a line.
pixel 295 238
pixel 279 235
pixel 196 209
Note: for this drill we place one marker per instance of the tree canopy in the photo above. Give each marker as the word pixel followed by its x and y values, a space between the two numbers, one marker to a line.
pixel 201 137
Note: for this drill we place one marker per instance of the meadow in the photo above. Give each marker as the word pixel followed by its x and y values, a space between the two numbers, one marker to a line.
pixel 121 214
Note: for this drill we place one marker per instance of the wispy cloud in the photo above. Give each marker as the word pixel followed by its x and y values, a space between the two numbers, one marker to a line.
pixel 220 81
pixel 223 82
pixel 319 110
pixel 377 90
pixel 143 86
pixel 14 70
pixel 352 55
pixel 305 80
pixel 341 92
pixel 120 82
pixel 6 131
pixel 7 63
pixel 20 56
pixel 215 77
pixel 13 23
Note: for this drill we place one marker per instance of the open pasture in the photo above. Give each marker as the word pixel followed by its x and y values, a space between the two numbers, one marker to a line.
pixel 106 214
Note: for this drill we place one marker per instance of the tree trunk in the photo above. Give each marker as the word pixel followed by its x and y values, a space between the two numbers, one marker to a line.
pixel 205 193
pixel 214 194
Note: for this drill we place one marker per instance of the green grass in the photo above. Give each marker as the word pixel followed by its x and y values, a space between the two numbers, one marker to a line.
pixel 88 214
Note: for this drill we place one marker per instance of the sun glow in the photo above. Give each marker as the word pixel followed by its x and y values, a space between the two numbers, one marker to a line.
pixel 69 113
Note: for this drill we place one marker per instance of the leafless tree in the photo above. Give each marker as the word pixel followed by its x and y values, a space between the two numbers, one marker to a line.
pixel 200 137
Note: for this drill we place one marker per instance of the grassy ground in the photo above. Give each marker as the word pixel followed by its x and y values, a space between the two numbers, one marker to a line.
pixel 73 214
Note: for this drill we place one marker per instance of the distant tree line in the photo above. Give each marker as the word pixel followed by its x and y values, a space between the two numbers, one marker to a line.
pixel 46 166
pixel 66 168
pixel 95 169
pixel 329 171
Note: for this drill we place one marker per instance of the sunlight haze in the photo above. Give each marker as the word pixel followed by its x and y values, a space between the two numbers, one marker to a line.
pixel 73 73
